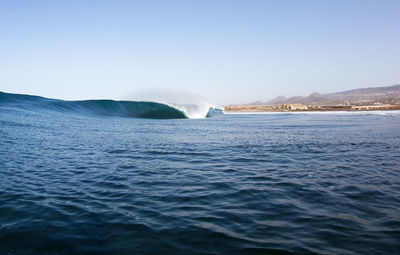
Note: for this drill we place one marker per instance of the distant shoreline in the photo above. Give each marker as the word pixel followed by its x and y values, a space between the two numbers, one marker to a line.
pixel 303 108
pixel 378 112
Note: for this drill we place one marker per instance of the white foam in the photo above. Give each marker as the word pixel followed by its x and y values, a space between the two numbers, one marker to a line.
pixel 193 111
pixel 193 105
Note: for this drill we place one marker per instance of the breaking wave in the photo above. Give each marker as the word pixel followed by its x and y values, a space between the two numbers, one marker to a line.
pixel 196 111
pixel 135 109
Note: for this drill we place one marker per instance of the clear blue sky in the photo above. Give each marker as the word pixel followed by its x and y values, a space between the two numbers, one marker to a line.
pixel 228 51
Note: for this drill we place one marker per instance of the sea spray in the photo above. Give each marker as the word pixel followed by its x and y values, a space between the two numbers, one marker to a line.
pixel 193 105
pixel 193 111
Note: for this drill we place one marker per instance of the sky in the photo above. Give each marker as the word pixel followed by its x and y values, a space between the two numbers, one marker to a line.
pixel 227 51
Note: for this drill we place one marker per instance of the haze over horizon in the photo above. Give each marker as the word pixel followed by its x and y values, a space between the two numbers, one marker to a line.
pixel 227 51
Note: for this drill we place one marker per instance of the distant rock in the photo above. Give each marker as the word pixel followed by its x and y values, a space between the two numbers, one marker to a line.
pixel 315 94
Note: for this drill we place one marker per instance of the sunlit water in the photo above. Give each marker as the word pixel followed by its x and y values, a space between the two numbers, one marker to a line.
pixel 230 184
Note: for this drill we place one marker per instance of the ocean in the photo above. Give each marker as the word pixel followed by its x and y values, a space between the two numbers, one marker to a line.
pixel 109 177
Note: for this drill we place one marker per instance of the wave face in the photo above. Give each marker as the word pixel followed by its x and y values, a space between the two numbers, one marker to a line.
pixel 135 109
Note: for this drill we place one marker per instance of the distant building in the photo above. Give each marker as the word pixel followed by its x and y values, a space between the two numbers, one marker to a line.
pixel 295 107
pixel 336 107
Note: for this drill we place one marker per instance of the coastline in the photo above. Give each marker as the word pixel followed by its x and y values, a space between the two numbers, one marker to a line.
pixel 299 109
pixel 373 112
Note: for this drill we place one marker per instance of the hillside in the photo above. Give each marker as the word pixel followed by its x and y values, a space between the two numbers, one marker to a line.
pixel 390 94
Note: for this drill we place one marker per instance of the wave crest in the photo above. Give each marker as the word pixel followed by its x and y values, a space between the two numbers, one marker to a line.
pixel 135 109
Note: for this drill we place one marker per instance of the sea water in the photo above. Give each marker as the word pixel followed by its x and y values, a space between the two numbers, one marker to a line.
pixel 281 183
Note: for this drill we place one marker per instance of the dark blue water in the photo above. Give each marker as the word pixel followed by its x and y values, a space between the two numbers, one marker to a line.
pixel 75 183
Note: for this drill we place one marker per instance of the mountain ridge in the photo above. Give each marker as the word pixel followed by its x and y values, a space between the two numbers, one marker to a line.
pixel 388 94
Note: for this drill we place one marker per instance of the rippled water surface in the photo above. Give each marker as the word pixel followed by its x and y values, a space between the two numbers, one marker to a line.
pixel 230 184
